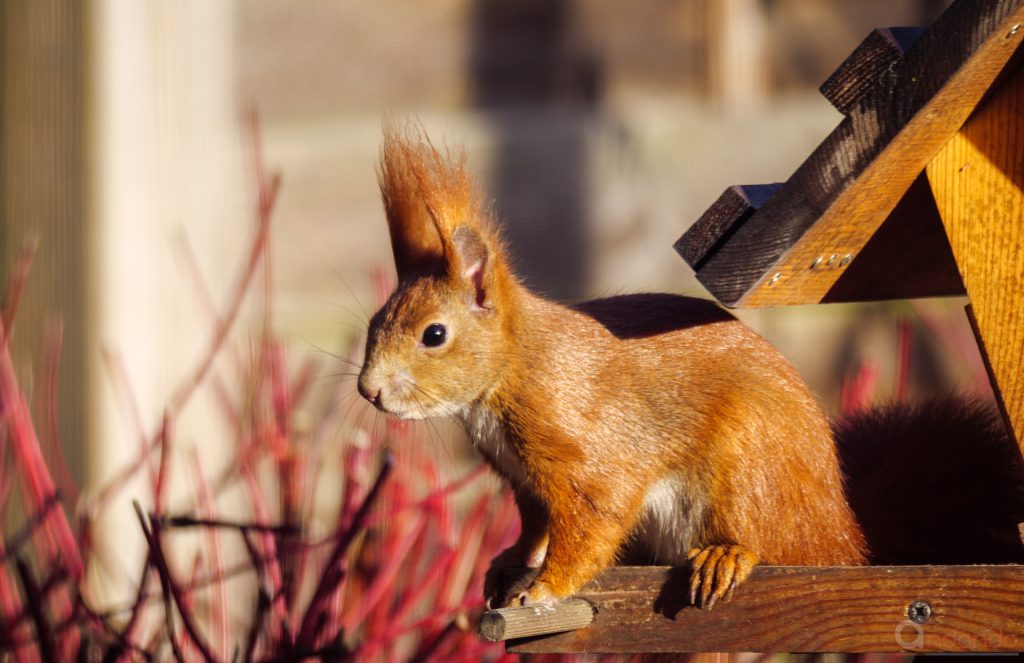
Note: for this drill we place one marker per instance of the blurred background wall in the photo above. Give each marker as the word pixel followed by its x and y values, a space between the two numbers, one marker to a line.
pixel 599 129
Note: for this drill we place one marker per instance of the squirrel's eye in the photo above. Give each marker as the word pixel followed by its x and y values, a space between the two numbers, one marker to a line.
pixel 434 335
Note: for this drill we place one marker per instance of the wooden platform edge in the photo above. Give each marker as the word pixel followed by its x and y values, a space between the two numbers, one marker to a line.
pixel 802 609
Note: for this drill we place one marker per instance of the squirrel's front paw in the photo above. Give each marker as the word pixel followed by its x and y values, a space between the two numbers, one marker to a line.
pixel 717 571
pixel 500 592
pixel 539 593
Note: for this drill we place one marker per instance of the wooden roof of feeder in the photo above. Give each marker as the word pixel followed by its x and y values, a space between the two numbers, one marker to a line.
pixel 917 192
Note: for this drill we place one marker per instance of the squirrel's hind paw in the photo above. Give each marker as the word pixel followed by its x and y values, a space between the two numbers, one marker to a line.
pixel 716 571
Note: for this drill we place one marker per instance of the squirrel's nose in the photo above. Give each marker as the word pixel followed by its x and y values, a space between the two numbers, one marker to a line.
pixel 369 391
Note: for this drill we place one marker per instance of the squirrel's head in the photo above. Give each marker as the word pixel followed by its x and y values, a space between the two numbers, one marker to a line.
pixel 437 345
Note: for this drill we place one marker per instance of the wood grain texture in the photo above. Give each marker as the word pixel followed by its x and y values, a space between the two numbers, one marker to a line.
pixel 978 183
pixel 733 208
pixel 842 193
pixel 1001 406
pixel 908 257
pixel 880 50
pixel 802 609
pixel 531 620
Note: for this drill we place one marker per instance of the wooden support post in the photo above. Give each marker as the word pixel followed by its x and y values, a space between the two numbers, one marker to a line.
pixel 978 183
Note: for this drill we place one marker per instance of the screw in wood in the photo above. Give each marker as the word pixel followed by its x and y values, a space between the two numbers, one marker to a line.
pixel 775 278
pixel 919 612
pixel 831 260
pixel 1013 31
pixel 817 261
pixel 847 259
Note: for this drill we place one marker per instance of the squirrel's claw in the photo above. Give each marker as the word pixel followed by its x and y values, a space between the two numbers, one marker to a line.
pixel 539 593
pixel 499 592
pixel 717 571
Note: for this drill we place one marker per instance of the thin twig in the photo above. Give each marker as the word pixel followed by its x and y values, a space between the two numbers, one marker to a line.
pixel 267 196
pixel 256 627
pixel 22 536
pixel 10 610
pixel 152 534
pixel 16 284
pixel 234 571
pixel 271 564
pixel 34 600
pixel 135 618
pixel 32 465
pixel 208 506
pixel 165 584
pixel 164 468
pixel 168 522
pixel 267 190
pixel 334 571
pixel 118 375
pixel 47 402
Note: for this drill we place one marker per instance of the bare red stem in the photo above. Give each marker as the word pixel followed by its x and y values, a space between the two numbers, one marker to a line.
pixel 334 570
pixel 208 507
pixel 152 534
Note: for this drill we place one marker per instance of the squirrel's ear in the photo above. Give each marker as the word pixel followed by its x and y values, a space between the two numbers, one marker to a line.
pixel 415 243
pixel 416 240
pixel 471 264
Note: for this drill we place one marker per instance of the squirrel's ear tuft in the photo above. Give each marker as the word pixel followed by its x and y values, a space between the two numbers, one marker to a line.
pixel 415 239
pixel 471 265
pixel 425 192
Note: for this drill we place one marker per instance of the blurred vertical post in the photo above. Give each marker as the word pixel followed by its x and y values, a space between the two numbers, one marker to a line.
pixel 737 55
pixel 41 193
pixel 165 164
pixel 541 87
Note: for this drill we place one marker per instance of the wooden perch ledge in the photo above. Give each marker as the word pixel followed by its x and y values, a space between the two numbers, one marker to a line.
pixel 795 609
pixel 531 620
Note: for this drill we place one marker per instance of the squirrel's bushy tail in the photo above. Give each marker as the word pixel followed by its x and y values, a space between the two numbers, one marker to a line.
pixel 938 482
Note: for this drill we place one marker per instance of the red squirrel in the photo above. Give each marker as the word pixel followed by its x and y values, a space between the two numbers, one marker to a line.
pixel 648 426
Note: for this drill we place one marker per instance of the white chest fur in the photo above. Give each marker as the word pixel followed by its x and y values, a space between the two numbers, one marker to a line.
pixel 488 436
pixel 670 521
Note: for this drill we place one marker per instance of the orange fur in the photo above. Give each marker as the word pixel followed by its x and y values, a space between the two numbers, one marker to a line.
pixel 639 426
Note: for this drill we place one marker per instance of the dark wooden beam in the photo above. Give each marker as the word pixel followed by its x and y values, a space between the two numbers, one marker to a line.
pixel 803 609
pixel 721 220
pixel 881 50
pixel 850 184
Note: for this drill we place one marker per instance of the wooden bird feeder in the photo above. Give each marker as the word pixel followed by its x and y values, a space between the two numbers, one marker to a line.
pixel 918 192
